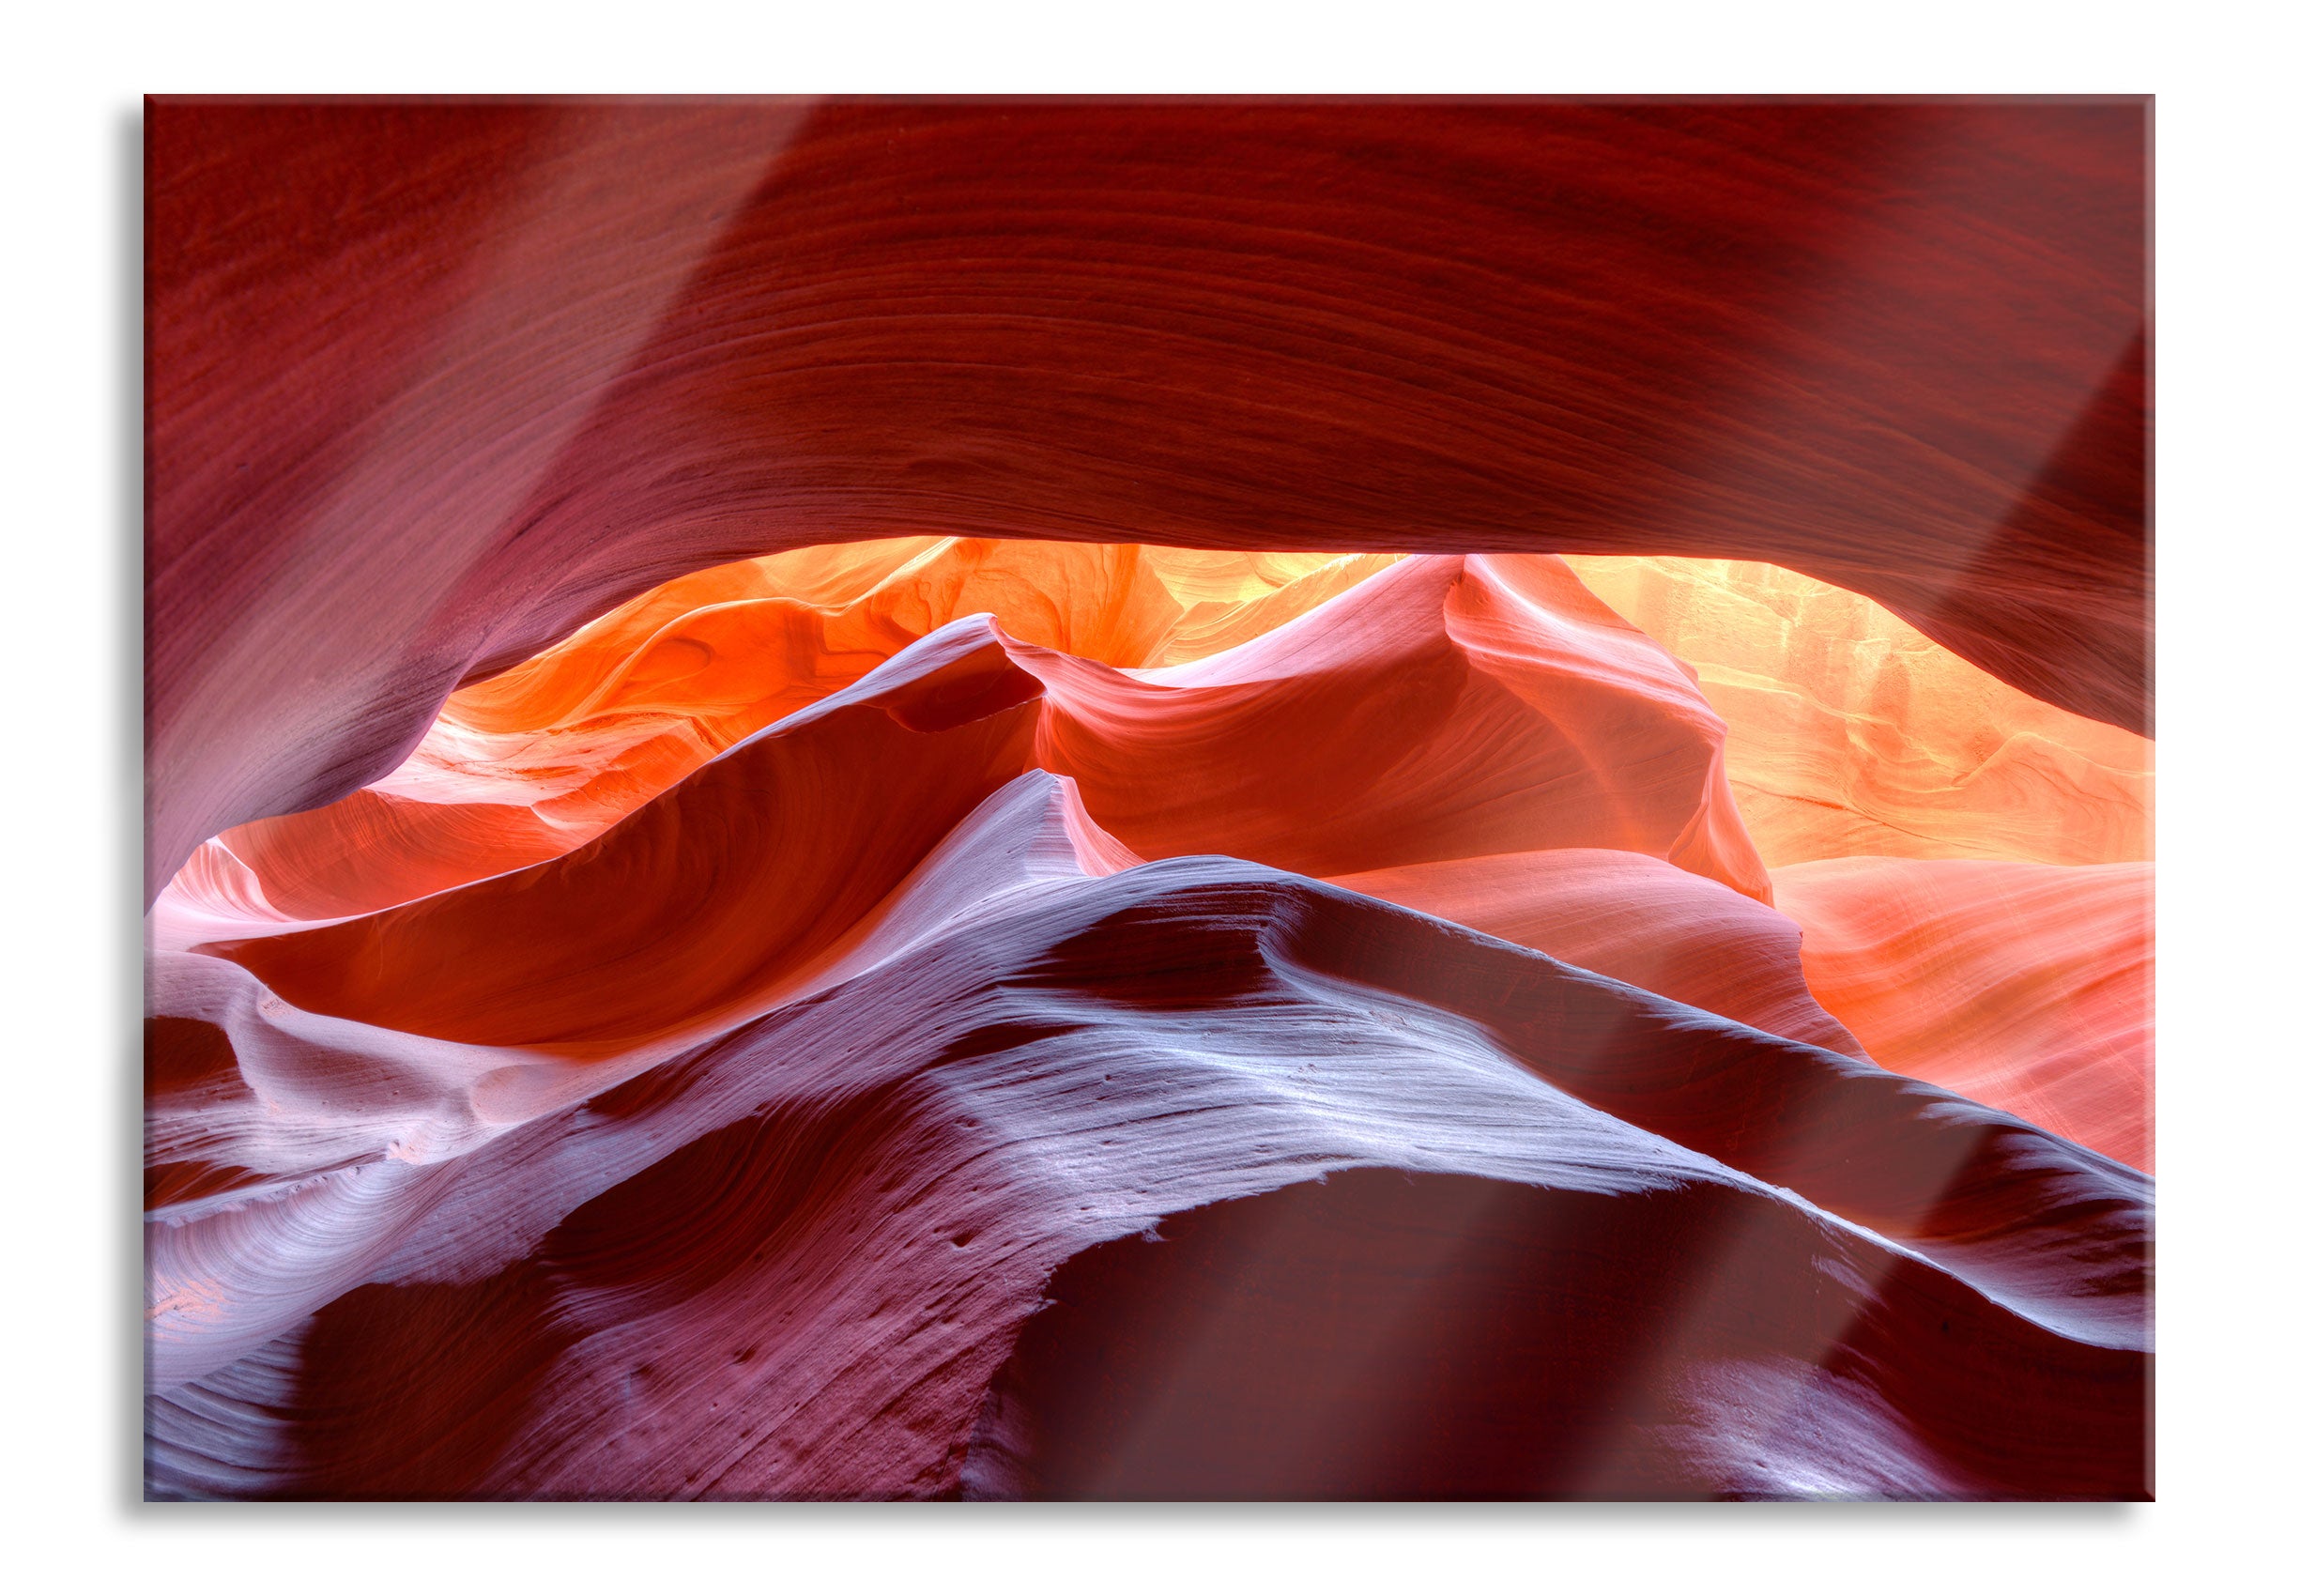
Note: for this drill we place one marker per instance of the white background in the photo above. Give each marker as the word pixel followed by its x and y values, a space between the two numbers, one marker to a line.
pixel 69 608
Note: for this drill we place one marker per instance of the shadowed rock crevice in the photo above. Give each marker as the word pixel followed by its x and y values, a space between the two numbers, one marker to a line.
pixel 1383 1336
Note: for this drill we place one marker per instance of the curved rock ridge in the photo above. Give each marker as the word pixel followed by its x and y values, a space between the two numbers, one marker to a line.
pixel 1437 708
pixel 718 894
pixel 249 1096
pixel 860 1114
pixel 1442 708
pixel 864 1244
pixel 1852 733
pixel 1634 918
pixel 1379 736
pixel 432 385
pixel 2028 987
pixel 539 760
pixel 1402 1336
pixel 1238 799
pixel 1122 604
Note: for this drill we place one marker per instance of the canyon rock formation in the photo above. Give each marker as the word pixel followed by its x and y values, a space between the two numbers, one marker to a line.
pixel 870 799
pixel 431 385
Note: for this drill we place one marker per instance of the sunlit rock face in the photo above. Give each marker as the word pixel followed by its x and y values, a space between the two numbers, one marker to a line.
pixel 1852 732
pixel 2025 986
pixel 430 386
pixel 541 758
pixel 763 1006
pixel 789 953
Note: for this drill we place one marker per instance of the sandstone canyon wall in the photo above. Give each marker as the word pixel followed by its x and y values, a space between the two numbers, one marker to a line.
pixel 875 799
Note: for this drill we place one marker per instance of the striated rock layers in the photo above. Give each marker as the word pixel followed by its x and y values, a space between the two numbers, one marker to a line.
pixel 430 385
pixel 2024 985
pixel 1850 733
pixel 803 1036
pixel 868 799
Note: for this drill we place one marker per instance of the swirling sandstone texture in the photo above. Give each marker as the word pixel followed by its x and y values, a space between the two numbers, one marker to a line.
pixel 2024 986
pixel 805 1255
pixel 723 929
pixel 1971 868
pixel 430 385
pixel 1852 733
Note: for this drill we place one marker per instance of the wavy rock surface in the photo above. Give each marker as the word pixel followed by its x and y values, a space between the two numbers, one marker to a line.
pixel 1438 708
pixel 808 1256
pixel 539 760
pixel 853 820
pixel 1853 734
pixel 430 386
pixel 2028 987
pixel 860 1114
pixel 838 1179
pixel 1636 919
pixel 1393 725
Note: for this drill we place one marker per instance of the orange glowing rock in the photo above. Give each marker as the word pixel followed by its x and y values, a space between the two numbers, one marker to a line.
pixel 2026 987
pixel 749 915
pixel 431 385
pixel 534 762
pixel 1634 918
pixel 959 1013
pixel 1852 732
pixel 1441 709
pixel 1444 707
pixel 1437 708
